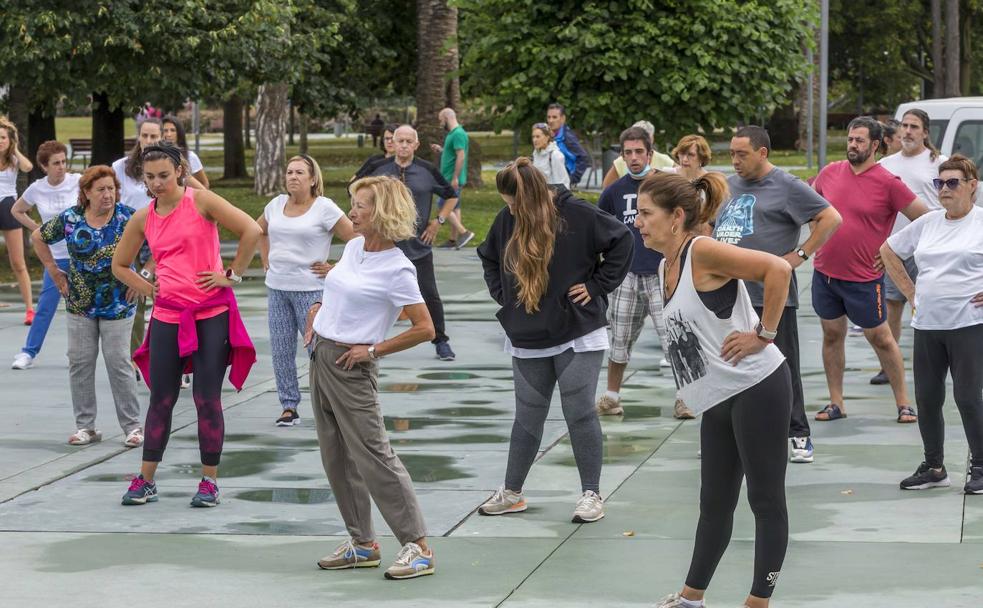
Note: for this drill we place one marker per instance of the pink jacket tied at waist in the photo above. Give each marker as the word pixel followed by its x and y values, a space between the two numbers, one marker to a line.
pixel 242 353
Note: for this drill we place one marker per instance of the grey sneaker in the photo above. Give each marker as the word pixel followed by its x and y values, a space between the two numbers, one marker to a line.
pixel 589 508
pixel 673 600
pixel 503 501
pixel 464 240
pixel 411 563
pixel 609 406
pixel 681 412
pixel 350 555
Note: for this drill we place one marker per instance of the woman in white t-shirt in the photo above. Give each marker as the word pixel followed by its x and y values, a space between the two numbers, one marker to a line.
pixel 297 231
pixel 12 161
pixel 173 133
pixel 363 294
pixel 51 194
pixel 947 246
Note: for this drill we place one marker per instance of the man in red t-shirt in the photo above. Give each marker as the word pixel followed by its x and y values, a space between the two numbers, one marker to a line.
pixel 847 282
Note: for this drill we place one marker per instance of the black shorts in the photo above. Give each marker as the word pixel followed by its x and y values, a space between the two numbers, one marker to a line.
pixel 7 219
pixel 861 302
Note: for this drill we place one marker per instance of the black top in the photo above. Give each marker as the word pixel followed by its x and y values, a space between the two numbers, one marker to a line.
pixel 719 301
pixel 620 199
pixel 592 247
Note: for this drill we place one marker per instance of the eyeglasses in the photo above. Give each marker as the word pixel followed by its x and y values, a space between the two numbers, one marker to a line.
pixel 951 183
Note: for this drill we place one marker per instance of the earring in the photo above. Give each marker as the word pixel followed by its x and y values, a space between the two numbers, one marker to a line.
pixel 674 229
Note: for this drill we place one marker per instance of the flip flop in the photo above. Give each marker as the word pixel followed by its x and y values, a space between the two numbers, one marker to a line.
pixel 907 411
pixel 832 411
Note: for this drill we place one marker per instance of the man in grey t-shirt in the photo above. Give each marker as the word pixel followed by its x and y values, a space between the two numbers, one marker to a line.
pixel 766 212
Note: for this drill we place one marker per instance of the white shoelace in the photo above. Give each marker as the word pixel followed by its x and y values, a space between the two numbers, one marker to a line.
pixel 589 501
pixel 345 548
pixel 407 553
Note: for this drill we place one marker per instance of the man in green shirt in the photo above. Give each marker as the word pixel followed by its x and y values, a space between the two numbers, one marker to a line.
pixel 454 168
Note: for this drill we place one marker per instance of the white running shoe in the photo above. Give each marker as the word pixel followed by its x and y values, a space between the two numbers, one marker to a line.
pixel 22 361
pixel 674 600
pixel 589 508
pixel 664 363
pixel 503 501
pixel 801 449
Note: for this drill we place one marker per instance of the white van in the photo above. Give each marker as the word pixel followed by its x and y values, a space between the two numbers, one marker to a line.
pixel 956 124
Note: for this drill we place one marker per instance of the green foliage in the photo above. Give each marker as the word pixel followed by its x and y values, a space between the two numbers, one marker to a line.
pixel 682 64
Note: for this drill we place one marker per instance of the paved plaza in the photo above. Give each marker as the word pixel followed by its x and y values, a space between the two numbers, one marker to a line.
pixel 856 539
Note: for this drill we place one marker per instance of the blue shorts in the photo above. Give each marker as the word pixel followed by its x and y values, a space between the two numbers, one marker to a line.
pixel 440 201
pixel 861 302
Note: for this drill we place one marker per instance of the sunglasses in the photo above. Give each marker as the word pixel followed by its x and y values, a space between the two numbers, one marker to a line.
pixel 951 183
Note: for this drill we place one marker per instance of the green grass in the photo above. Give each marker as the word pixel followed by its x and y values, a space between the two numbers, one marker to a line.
pixel 80 127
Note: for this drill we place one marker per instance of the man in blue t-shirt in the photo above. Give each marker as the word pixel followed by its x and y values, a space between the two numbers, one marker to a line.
pixel 640 294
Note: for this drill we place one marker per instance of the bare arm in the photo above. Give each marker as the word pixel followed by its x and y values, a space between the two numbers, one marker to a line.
pixel 821 228
pixel 201 178
pixel 126 252
pixel 915 209
pixel 230 217
pixel 343 229
pixel 896 270
pixel 264 241
pixel 23 163
pixel 458 166
pixel 422 330
pixel 20 213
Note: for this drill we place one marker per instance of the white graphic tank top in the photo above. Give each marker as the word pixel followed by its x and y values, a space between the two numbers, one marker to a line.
pixel 695 335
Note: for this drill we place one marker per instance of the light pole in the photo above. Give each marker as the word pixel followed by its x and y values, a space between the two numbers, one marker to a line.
pixel 823 77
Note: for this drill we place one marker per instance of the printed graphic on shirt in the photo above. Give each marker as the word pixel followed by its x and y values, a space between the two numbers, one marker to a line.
pixel 689 362
pixel 631 210
pixel 737 220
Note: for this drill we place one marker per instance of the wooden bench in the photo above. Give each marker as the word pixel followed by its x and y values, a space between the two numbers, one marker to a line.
pixel 83 148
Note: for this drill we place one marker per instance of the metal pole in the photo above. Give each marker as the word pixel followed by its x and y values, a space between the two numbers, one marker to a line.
pixel 196 126
pixel 823 78
pixel 811 112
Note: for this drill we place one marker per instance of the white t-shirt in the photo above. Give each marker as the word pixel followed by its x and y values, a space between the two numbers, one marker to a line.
pixel 590 342
pixel 297 242
pixel 949 255
pixel 194 163
pixel 8 182
pixel 364 293
pixel 133 193
pixel 917 172
pixel 51 201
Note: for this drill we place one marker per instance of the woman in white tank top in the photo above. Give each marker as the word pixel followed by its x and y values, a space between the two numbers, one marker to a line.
pixel 726 368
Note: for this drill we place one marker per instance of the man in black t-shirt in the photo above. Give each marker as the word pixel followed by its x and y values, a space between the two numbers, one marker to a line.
pixel 424 181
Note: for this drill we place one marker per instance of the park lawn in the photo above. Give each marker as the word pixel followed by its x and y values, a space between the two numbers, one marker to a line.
pixel 80 127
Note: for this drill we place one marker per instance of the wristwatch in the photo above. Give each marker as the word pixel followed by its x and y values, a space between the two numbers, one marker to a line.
pixel 441 220
pixel 146 274
pixel 372 354
pixel 232 276
pixel 764 334
pixel 802 253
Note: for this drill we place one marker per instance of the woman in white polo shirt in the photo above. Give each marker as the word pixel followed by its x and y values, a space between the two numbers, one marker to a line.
pixel 947 245
pixel 297 232
pixel 363 295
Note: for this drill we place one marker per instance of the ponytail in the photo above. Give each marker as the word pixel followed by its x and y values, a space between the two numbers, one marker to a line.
pixel 700 199
pixel 712 187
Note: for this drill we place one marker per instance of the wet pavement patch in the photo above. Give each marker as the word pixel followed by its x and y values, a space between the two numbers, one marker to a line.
pixel 293 496
pixel 428 468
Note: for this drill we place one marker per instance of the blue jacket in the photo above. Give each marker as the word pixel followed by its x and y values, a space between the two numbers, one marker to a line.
pixel 577 160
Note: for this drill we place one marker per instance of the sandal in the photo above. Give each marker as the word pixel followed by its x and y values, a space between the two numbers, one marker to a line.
pixel 134 439
pixel 84 437
pixel 909 412
pixel 832 412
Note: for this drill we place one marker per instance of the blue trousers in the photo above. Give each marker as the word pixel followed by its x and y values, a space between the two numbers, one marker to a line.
pixel 288 318
pixel 45 312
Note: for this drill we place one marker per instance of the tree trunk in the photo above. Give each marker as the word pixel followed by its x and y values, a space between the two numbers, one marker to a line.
pixel 246 128
pixel 938 66
pixel 41 128
pixel 437 84
pixel 474 163
pixel 271 128
pixel 293 125
pixel 952 82
pixel 304 124
pixel 19 114
pixel 107 131
pixel 235 152
pixel 966 50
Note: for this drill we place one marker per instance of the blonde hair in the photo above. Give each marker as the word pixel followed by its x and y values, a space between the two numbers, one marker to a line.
pixel 394 217
pixel 318 188
pixel 702 148
pixel 10 158
pixel 530 249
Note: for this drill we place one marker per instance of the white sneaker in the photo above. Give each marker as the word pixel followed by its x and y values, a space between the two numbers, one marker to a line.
pixel 673 600
pixel 664 363
pixel 801 449
pixel 589 508
pixel 22 361
pixel 503 501
pixel 185 380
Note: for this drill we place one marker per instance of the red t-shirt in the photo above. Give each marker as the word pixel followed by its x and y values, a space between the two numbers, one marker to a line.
pixel 869 203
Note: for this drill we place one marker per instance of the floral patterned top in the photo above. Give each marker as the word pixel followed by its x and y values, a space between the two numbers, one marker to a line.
pixel 93 291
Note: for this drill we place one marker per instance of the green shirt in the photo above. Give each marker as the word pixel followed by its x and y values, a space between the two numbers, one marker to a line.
pixel 456 140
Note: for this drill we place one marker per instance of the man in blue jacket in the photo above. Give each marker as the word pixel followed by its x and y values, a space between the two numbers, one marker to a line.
pixel 577 160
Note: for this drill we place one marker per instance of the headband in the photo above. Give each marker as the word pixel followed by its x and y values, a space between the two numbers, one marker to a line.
pixel 172 152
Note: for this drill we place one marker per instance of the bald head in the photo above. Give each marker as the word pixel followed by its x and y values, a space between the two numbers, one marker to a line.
pixel 447 118
pixel 406 142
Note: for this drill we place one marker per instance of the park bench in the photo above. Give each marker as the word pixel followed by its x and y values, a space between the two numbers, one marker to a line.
pixel 82 147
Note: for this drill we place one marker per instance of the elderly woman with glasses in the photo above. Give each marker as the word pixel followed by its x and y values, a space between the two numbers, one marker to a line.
pixel 947 245
pixel 547 157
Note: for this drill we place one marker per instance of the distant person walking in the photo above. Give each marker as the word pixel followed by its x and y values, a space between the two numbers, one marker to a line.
pixel 547 157
pixel 577 159
pixel 12 162
pixel 454 168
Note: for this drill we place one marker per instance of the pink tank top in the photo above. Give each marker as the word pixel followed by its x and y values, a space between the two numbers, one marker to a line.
pixel 183 244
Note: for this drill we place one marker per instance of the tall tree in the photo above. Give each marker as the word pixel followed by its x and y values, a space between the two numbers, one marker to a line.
pixel 437 82
pixel 952 50
pixel 234 157
pixel 938 64
pixel 271 128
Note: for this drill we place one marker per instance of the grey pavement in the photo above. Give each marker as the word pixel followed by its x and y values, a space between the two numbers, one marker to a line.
pixel 856 539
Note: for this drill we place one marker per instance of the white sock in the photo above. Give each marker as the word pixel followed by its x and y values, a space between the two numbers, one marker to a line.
pixel 691 603
pixel 614 395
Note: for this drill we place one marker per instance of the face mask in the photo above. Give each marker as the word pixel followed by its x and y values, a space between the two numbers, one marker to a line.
pixel 641 174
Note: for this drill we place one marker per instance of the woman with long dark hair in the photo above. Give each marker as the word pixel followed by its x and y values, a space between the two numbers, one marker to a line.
pixel 173 133
pixel 550 259
pixel 728 369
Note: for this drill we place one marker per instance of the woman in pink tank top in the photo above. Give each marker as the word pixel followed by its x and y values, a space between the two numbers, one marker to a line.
pixel 195 323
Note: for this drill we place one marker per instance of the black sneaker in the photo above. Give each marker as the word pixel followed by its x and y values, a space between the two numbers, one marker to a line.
pixel 926 477
pixel 289 417
pixel 974 485
pixel 880 378
pixel 444 352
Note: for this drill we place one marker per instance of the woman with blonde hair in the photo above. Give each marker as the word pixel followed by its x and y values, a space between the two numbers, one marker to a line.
pixel 692 154
pixel 550 260
pixel 362 297
pixel 297 231
pixel 12 161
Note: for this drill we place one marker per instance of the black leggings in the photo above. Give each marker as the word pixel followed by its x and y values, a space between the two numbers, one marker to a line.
pixel 166 367
pixel 959 352
pixel 427 280
pixel 745 436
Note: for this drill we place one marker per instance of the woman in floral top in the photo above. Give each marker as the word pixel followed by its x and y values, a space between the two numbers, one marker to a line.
pixel 100 307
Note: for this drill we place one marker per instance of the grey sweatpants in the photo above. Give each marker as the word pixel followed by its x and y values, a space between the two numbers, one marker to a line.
pixel 85 335
pixel 576 373
pixel 355 448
